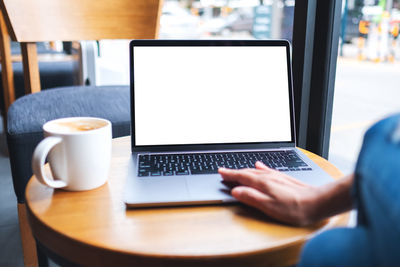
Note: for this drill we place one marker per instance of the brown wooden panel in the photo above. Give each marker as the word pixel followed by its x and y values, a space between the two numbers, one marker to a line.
pixel 7 73
pixel 66 20
pixel 31 68
pixel 28 243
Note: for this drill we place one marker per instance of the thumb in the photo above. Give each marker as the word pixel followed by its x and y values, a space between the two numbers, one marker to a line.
pixel 251 197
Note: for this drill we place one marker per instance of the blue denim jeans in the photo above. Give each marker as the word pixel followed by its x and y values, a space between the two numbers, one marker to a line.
pixel 375 241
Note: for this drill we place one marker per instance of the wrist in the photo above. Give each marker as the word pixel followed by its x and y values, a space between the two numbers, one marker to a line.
pixel 331 199
pixel 314 205
pixel 320 200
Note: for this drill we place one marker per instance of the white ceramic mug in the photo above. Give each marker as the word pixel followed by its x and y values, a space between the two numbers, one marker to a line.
pixel 78 151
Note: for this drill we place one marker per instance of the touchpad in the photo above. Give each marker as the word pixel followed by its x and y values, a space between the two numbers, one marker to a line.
pixel 207 187
pixel 160 189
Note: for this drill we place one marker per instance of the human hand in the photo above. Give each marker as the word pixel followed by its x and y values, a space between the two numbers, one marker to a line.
pixel 275 193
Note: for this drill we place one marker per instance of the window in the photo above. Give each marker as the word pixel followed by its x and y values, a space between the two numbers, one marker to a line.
pixel 312 26
pixel 237 19
pixel 367 76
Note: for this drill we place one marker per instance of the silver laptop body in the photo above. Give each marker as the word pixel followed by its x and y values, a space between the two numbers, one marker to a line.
pixel 201 98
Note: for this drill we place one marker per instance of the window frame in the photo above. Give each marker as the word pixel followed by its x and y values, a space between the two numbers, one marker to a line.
pixel 316 29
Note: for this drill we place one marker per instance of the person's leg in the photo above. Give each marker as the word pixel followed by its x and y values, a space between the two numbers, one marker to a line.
pixel 338 247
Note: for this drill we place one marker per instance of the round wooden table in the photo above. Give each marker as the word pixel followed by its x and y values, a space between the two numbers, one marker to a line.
pixel 94 228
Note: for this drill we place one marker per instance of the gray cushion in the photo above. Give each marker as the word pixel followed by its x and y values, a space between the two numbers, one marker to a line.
pixel 27 115
pixel 30 112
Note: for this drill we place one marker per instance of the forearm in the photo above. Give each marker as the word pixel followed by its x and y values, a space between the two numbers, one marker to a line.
pixel 334 198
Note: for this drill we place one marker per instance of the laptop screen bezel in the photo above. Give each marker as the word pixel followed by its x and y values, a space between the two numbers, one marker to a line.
pixel 224 146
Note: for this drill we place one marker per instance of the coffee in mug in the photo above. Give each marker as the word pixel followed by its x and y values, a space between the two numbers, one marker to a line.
pixel 79 153
pixel 76 126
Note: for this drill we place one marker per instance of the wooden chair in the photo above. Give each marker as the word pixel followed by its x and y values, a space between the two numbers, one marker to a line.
pixel 29 22
pixel 6 63
pixel 57 68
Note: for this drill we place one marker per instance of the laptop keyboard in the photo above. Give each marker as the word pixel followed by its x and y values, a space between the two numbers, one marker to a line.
pixel 208 163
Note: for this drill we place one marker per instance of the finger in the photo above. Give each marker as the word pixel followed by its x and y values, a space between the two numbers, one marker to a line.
pixel 262 180
pixel 261 166
pixel 222 170
pixel 251 197
pixel 289 180
pixel 286 178
pixel 265 181
pixel 276 175
pixel 263 202
pixel 236 175
pixel 295 181
pixel 246 177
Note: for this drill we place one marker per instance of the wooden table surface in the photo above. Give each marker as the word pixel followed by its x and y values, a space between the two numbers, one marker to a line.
pixel 94 228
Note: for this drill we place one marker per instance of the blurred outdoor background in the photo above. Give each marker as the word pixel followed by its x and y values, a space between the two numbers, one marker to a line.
pixel 368 68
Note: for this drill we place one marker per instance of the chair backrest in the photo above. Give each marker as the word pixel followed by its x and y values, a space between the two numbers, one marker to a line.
pixel 72 20
pixel 6 67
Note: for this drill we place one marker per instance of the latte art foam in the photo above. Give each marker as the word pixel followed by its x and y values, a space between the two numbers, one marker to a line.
pixel 76 126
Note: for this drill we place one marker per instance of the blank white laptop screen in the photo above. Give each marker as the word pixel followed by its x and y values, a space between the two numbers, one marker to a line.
pixel 209 95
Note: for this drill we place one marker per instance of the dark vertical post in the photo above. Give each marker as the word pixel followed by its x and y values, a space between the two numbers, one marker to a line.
pixel 327 30
pixel 315 47
pixel 303 42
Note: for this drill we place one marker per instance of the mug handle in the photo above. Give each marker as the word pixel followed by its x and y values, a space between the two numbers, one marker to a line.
pixel 39 158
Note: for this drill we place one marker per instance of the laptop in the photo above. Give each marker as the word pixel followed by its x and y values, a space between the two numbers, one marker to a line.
pixel 198 105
